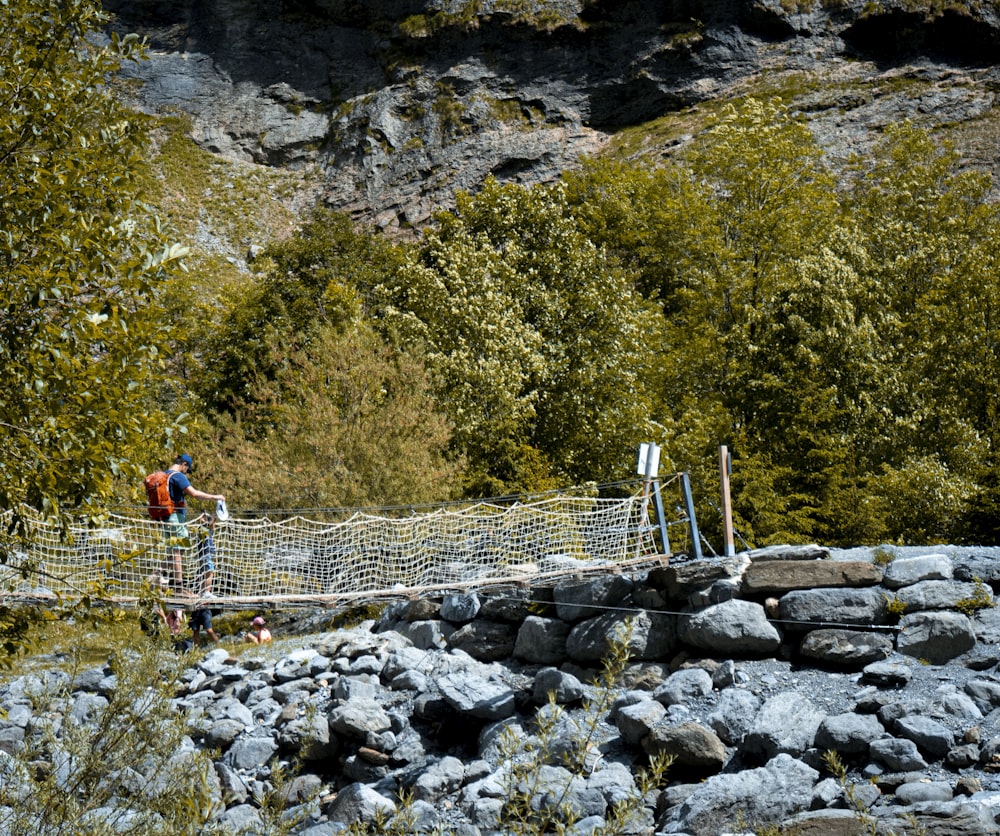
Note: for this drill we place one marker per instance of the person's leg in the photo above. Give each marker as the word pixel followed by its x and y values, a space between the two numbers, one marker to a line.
pixel 179 540
pixel 206 554
pixel 167 567
pixel 178 569
pixel 206 620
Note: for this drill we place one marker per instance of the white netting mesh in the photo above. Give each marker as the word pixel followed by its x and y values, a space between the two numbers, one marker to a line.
pixel 362 556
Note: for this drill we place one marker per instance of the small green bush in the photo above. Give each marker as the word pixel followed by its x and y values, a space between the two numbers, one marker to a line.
pixel 122 771
pixel 980 599
pixel 883 556
pixel 895 606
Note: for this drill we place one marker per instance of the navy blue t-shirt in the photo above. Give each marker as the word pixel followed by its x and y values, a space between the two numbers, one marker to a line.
pixel 178 484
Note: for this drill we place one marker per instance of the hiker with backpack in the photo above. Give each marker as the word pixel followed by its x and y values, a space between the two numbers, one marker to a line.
pixel 167 492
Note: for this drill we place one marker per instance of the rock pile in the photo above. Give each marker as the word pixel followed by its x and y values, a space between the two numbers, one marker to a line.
pixel 746 670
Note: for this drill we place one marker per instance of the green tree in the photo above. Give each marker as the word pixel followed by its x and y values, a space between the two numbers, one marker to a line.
pixel 930 235
pixel 631 212
pixel 320 277
pixel 348 421
pixel 815 387
pixel 748 223
pixel 539 342
pixel 848 339
pixel 311 407
pixel 841 342
pixel 80 256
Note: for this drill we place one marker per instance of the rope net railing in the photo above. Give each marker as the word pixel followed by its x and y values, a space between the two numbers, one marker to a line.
pixel 363 556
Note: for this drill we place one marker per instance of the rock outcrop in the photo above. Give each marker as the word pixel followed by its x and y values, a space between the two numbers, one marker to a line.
pixel 747 703
pixel 403 102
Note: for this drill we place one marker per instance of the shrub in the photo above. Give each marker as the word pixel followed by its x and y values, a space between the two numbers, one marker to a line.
pixel 883 556
pixel 123 768
pixel 980 599
pixel 895 606
pixel 924 501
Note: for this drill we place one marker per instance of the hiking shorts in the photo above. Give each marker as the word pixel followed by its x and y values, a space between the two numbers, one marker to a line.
pixel 201 619
pixel 176 530
pixel 207 561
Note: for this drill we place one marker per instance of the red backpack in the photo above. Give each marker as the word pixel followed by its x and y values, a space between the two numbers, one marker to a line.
pixel 161 506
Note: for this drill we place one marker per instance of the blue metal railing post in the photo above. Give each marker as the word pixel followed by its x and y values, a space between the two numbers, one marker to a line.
pixel 661 518
pixel 692 521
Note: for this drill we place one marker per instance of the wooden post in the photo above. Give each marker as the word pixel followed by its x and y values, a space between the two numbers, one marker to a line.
pixel 725 469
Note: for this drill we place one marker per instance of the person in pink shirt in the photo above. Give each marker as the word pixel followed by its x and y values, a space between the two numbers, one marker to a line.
pixel 174 619
pixel 259 634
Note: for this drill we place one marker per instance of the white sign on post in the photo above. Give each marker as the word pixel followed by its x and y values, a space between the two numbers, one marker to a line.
pixel 649 460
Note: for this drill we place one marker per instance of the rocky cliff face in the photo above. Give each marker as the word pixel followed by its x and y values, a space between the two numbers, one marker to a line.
pixel 403 102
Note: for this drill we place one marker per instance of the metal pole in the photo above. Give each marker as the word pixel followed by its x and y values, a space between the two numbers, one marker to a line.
pixel 725 469
pixel 660 517
pixel 692 522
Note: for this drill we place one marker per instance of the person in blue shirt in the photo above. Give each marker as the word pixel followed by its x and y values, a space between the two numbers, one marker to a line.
pixel 206 554
pixel 176 529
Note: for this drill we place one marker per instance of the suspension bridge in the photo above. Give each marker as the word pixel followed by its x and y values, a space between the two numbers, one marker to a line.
pixel 360 557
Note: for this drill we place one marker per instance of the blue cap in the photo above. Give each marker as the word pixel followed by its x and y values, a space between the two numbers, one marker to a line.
pixel 188 461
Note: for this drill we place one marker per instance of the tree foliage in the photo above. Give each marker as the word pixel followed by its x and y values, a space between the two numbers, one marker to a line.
pixel 80 256
pixel 929 235
pixel 350 422
pixel 320 277
pixel 846 375
pixel 752 287
pixel 539 340
pixel 839 341
pixel 312 407
pixel 837 335
pixel 836 330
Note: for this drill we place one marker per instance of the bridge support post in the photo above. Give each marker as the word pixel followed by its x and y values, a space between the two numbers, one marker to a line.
pixel 649 463
pixel 692 521
pixel 725 471
pixel 661 517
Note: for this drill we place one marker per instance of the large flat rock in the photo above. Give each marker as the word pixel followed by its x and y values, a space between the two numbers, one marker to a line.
pixel 785 575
